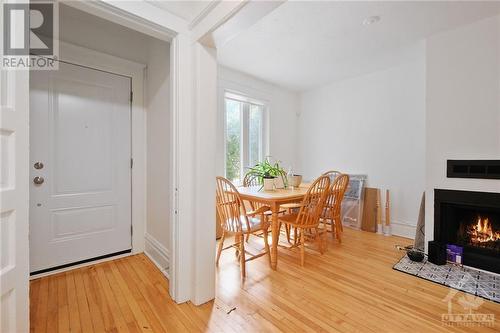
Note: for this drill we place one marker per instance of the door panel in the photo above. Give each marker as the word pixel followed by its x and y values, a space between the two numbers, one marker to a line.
pixel 71 223
pixel 81 132
pixel 87 125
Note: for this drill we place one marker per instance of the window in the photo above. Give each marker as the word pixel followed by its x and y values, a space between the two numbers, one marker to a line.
pixel 244 134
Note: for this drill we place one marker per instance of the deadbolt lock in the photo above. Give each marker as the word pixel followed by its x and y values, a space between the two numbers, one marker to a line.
pixel 38 165
pixel 38 180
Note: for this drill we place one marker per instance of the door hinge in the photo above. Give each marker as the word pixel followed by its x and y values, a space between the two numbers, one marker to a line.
pixel 131 96
pixel 131 163
pixel 132 230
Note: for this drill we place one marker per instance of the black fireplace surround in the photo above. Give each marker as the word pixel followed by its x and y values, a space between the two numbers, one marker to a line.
pixel 471 220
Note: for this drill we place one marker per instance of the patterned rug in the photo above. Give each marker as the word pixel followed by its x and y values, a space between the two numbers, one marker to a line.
pixel 466 279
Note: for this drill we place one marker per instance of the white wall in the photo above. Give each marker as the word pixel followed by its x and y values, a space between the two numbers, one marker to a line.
pixel 283 106
pixel 374 125
pixel 463 106
pixel 83 29
pixel 157 100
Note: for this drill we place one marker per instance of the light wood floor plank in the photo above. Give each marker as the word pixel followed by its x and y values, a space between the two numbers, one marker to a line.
pixel 92 300
pixel 114 309
pixel 153 290
pixel 83 304
pixel 152 320
pixel 157 303
pixel 53 309
pixel 74 314
pixel 43 302
pixel 34 301
pixel 136 313
pixel 62 304
pixel 351 288
pixel 100 301
pixel 120 299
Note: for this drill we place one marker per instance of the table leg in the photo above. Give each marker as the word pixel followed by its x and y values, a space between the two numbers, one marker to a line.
pixel 275 236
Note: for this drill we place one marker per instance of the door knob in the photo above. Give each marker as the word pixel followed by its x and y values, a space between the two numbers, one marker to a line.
pixel 38 180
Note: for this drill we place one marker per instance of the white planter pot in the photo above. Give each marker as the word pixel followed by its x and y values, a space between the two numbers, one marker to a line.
pixel 268 184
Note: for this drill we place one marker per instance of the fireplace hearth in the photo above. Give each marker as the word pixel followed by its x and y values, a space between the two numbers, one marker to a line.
pixel 471 220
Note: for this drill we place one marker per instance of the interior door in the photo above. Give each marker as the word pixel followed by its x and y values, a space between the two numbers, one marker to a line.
pixel 14 200
pixel 80 170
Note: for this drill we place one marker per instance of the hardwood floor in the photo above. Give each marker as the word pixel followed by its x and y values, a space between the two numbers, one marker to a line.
pixel 352 288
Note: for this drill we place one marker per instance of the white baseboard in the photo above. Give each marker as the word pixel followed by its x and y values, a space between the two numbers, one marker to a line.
pixel 158 253
pixel 403 229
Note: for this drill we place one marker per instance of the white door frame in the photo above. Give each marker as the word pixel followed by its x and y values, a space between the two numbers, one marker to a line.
pixel 90 58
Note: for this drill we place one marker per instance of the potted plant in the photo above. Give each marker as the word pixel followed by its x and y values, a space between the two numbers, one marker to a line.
pixel 268 174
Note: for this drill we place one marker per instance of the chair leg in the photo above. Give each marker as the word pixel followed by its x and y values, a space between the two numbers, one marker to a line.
pixel 219 249
pixel 287 230
pixel 247 238
pixel 319 237
pixel 338 230
pixel 324 241
pixel 237 238
pixel 266 244
pixel 242 258
pixel 302 248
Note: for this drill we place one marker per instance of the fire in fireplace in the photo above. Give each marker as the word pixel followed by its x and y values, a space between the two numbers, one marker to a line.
pixel 471 220
pixel 481 232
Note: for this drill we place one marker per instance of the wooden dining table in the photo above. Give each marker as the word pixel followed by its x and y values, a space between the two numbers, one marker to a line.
pixel 274 199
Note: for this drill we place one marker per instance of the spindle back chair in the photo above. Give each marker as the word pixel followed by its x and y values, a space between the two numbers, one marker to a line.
pixel 308 217
pixel 234 219
pixel 332 212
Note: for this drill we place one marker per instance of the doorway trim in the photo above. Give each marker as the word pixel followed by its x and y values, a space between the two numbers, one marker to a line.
pixel 96 60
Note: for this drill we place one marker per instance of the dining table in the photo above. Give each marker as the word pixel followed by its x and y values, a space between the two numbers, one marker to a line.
pixel 274 199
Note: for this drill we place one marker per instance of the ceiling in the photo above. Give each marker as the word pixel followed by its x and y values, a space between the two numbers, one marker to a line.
pixel 188 10
pixel 301 45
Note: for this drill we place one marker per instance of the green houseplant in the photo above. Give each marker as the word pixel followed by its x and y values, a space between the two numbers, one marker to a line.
pixel 266 170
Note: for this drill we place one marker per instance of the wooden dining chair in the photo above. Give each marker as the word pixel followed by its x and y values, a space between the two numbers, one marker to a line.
pixel 333 206
pixel 234 219
pixel 308 217
pixel 332 174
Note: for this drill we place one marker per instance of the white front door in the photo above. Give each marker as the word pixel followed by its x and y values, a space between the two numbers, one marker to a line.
pixel 80 166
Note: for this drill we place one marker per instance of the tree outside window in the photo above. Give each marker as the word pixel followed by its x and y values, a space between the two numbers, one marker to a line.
pixel 244 123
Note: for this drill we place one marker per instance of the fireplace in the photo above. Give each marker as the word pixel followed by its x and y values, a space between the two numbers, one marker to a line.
pixel 471 220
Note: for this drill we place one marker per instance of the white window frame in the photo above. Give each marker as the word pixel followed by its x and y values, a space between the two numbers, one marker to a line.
pixel 245 116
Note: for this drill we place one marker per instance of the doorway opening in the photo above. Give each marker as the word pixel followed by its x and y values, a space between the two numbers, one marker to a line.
pixel 103 137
